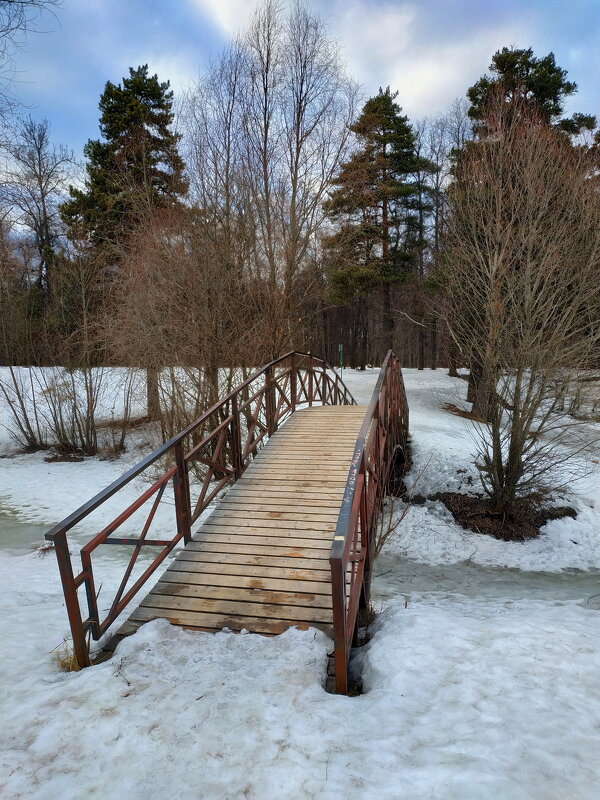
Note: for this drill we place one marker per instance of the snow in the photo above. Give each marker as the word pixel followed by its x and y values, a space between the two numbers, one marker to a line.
pixel 442 462
pixel 481 679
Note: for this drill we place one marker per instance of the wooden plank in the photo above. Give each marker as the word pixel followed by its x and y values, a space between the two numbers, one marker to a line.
pixel 257 532
pixel 259 513
pixel 215 622
pixel 255 594
pixel 234 538
pixel 320 574
pixel 236 608
pixel 310 469
pixel 319 462
pixel 282 494
pixel 312 413
pixel 315 433
pixel 267 538
pixel 306 449
pixel 237 559
pixel 303 446
pixel 291 551
pixel 336 422
pixel 289 482
pixel 284 521
pixel 249 581
pixel 279 510
pixel 312 493
pixel 128 628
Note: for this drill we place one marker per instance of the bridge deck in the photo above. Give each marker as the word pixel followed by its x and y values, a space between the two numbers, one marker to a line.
pixel 261 560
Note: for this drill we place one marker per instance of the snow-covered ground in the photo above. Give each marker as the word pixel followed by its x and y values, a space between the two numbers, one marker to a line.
pixel 481 679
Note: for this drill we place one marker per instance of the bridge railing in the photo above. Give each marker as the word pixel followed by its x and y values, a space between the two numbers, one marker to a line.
pixel 221 443
pixel 383 432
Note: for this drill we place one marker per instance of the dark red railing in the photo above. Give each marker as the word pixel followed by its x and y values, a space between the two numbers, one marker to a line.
pixel 223 441
pixel 384 431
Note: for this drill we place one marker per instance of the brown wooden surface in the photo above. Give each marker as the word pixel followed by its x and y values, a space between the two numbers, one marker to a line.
pixel 261 560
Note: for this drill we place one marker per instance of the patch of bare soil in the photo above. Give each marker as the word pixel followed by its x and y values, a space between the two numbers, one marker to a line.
pixel 477 514
pixel 60 457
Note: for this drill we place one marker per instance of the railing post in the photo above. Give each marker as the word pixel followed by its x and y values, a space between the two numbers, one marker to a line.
pixel 294 383
pixel 181 489
pixel 311 381
pixel 338 597
pixel 337 393
pixel 368 521
pixel 236 438
pixel 270 401
pixel 324 385
pixel 65 568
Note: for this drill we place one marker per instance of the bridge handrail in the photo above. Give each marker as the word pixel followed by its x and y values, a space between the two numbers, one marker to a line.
pixel 304 380
pixel 383 431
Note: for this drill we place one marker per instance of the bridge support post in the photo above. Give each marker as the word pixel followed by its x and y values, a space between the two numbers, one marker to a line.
pixel 236 439
pixel 181 490
pixel 65 568
pixel 338 596
pixel 294 383
pixel 270 401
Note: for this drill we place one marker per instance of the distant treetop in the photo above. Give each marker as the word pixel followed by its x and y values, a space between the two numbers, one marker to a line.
pixel 539 81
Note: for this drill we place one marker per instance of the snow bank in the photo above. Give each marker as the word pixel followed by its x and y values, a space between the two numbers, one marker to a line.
pixel 463 699
pixel 467 695
pixel 442 449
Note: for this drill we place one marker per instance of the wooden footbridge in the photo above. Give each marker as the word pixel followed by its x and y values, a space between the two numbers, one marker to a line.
pixel 288 544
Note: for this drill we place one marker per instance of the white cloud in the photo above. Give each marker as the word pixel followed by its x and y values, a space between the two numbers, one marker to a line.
pixel 230 16
pixel 391 43
pixel 179 69
pixel 429 58
pixel 431 78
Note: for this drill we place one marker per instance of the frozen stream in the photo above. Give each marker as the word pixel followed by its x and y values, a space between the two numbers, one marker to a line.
pixel 397 575
pixel 17 537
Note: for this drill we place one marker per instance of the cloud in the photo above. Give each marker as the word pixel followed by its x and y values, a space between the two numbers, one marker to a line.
pixel 398 44
pixel 230 16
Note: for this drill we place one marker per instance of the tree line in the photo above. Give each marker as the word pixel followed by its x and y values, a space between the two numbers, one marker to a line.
pixel 305 218
pixel 271 207
pixel 324 219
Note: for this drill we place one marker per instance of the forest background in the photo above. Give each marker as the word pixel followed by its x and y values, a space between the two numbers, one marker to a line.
pixel 271 206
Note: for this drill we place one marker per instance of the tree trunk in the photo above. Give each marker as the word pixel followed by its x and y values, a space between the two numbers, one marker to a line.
pixel 421 348
pixel 152 394
pixel 482 392
pixel 388 319
pixel 433 363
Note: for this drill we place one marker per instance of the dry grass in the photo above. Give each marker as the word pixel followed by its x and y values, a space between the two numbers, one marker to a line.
pixel 42 550
pixel 64 657
pixel 459 412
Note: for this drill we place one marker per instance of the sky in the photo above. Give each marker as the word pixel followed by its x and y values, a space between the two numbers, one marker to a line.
pixel 431 51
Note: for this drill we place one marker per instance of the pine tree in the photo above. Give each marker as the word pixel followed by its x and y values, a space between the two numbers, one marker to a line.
pixel 540 82
pixel 134 168
pixel 373 207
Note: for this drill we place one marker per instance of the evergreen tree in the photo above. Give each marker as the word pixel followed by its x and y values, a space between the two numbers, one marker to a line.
pixel 539 82
pixel 135 167
pixel 374 206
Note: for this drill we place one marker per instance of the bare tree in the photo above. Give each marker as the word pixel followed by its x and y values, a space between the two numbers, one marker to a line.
pixel 266 129
pixel 35 182
pixel 522 264
pixel 17 19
